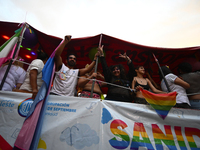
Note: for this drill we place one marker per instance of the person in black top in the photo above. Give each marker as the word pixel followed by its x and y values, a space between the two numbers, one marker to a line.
pixel 116 75
pixel 140 82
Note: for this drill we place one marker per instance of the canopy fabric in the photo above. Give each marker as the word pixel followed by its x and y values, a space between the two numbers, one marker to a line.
pixel 85 47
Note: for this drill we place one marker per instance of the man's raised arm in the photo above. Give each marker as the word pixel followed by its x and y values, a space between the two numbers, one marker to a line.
pixel 57 58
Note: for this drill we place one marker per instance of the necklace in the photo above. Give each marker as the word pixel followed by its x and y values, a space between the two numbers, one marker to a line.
pixel 140 79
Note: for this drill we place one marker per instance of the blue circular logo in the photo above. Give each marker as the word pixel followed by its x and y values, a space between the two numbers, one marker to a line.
pixel 24 107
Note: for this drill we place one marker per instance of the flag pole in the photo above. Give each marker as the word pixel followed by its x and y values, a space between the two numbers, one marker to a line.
pixel 15 51
pixel 96 65
pixel 167 85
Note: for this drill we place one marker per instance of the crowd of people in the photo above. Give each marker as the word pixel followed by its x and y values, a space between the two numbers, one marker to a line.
pixel 121 86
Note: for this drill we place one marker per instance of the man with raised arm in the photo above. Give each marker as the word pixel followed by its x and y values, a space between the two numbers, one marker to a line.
pixel 66 76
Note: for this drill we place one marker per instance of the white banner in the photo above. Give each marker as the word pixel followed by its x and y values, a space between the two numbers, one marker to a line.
pixel 82 123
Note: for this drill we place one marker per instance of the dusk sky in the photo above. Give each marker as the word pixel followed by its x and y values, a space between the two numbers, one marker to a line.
pixel 159 23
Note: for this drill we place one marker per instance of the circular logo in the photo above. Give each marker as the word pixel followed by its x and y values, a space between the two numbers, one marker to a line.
pixel 24 107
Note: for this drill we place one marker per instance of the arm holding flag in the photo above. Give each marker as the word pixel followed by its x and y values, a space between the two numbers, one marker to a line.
pixel 154 90
pixel 106 71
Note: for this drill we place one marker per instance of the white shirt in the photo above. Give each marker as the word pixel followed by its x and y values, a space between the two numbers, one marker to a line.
pixel 38 65
pixel 15 75
pixel 65 81
pixel 181 97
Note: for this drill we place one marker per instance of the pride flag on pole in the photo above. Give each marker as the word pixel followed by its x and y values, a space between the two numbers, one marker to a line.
pixel 7 49
pixel 162 103
pixel 47 76
pixel 29 134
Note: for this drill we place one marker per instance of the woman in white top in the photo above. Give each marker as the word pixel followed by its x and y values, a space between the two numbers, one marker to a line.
pixel 175 84
pixel 33 80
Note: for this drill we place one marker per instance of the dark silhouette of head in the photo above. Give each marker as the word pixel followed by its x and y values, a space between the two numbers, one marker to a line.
pixel 184 67
pixel 165 71
pixel 42 55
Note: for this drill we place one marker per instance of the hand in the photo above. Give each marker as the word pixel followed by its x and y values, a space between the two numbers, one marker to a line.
pixel 124 56
pixel 35 91
pixel 68 38
pixel 96 55
pixel 100 75
pixel 94 75
pixel 138 88
pixel 100 50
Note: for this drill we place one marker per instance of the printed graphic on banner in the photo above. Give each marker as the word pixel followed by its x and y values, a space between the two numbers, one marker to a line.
pixel 106 116
pixel 7 103
pixel 141 138
pixel 24 107
pixel 77 123
pixel 79 136
pixel 54 108
pixel 42 144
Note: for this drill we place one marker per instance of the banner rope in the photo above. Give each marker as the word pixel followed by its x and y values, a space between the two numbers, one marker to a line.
pixel 102 81
pixel 114 84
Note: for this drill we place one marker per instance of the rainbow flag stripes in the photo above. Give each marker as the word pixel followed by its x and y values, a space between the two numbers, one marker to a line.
pixel 190 132
pixel 124 143
pixel 160 137
pixel 162 103
pixel 180 138
pixel 137 142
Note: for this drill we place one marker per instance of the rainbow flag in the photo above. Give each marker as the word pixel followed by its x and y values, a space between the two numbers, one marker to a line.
pixel 162 103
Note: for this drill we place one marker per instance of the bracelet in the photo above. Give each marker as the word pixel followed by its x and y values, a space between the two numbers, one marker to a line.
pixel 95 60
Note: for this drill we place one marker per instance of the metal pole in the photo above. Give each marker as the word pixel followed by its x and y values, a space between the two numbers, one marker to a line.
pixel 11 61
pixel 167 85
pixel 96 65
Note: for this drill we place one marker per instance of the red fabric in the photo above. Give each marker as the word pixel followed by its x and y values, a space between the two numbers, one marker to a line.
pixel 140 54
pixel 4 145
